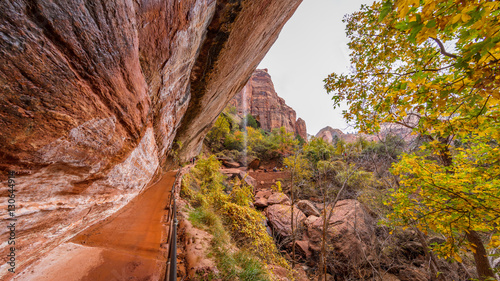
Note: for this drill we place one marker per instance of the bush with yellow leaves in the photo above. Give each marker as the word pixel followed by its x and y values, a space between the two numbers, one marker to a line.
pixel 204 188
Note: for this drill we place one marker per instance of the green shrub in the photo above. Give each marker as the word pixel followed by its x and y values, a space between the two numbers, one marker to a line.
pixel 241 193
pixel 318 149
pixel 219 132
pixel 250 122
pixel 202 216
pixel 215 210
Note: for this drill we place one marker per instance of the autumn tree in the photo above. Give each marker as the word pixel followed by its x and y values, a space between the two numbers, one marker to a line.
pixel 219 132
pixel 286 141
pixel 432 66
pixel 297 166
pixel 318 149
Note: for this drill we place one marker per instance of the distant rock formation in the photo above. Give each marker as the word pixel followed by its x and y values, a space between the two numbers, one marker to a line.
pixel 263 103
pixel 328 134
pixel 301 129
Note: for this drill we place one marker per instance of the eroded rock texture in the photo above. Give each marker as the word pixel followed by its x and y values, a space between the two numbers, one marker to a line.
pixel 332 135
pixel 301 129
pixel 329 134
pixel 259 98
pixel 93 94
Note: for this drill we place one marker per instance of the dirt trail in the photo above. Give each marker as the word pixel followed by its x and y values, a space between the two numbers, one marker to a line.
pixel 125 246
pixel 267 179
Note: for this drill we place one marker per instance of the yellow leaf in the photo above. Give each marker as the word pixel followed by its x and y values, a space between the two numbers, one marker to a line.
pixel 414 2
pixel 456 18
pixel 465 18
pixel 428 9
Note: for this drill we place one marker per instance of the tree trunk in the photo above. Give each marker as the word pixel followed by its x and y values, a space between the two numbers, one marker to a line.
pixel 483 266
pixel 430 256
pixel 480 257
pixel 323 242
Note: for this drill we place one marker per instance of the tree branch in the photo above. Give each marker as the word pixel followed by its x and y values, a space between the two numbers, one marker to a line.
pixel 443 50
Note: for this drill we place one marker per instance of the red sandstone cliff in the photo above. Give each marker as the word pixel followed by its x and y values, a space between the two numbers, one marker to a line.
pixel 301 129
pixel 93 94
pixel 266 106
pixel 328 133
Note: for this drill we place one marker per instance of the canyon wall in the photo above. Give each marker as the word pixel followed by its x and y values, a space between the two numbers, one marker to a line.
pixel 329 134
pixel 405 133
pixel 264 104
pixel 94 93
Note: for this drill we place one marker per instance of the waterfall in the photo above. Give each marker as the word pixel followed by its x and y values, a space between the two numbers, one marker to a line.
pixel 245 121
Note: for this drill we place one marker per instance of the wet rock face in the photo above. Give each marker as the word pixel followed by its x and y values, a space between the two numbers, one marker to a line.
pixel 266 106
pixel 238 38
pixel 93 94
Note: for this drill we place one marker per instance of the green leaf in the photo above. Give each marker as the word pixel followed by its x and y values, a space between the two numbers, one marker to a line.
pixel 414 31
pixel 386 9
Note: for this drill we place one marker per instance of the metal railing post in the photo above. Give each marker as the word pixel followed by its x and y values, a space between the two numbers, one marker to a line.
pixel 171 268
pixel 173 248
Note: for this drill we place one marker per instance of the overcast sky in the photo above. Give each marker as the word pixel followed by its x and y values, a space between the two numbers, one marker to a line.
pixel 312 45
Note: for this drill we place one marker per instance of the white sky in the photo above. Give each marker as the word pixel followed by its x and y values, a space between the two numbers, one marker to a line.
pixel 312 45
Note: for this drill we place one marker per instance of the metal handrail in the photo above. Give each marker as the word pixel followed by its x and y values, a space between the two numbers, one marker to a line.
pixel 171 267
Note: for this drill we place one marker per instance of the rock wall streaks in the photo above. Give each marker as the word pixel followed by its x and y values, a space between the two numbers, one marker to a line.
pixel 93 94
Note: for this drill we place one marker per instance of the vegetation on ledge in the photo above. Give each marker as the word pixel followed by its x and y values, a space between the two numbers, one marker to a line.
pixel 241 247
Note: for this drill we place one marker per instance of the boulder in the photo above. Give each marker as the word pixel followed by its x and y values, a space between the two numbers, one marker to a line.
pixel 230 163
pixel 279 217
pixel 278 198
pixel 350 230
pixel 299 274
pixel 254 165
pixel 310 220
pixel 261 198
pixel 231 172
pixel 308 208
pixel 278 273
pixel 261 202
pixel 302 248
pixel 247 178
pixel 265 193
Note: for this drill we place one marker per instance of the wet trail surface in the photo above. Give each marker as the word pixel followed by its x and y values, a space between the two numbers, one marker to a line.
pixel 125 246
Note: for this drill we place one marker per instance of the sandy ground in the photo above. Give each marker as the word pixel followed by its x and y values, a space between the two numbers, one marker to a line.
pixel 125 246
